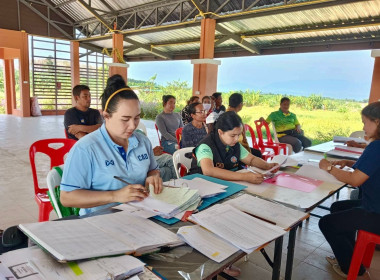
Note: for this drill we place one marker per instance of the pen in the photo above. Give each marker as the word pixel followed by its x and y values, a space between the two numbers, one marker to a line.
pixel 122 180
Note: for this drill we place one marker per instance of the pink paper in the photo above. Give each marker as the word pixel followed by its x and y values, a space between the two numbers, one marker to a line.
pixel 295 182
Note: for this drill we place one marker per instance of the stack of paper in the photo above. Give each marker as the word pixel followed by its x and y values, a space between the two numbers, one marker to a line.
pixel 354 150
pixel 206 242
pixel 240 229
pixel 342 139
pixel 272 212
pixel 99 236
pixel 315 172
pixel 33 263
pixel 205 188
pixel 284 160
pixel 170 201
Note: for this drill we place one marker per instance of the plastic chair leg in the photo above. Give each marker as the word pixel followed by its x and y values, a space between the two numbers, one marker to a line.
pixel 369 254
pixel 44 212
pixel 357 257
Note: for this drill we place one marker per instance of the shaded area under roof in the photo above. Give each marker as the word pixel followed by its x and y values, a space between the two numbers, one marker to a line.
pixel 170 29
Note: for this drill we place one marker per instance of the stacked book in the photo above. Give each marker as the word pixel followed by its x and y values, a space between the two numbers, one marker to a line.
pixel 98 236
pixel 171 201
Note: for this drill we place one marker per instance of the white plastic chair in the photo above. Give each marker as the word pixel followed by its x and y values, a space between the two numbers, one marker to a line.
pixel 142 127
pixel 53 180
pixel 358 134
pixel 275 139
pixel 180 158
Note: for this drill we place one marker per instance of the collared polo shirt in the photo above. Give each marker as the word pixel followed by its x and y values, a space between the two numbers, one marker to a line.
pixel 95 159
pixel 283 121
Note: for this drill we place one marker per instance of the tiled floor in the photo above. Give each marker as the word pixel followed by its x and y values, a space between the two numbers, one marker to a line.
pixel 17 203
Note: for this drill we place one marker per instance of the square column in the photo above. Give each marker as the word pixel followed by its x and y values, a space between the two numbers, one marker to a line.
pixel 75 69
pixel 375 86
pixel 9 86
pixel 205 75
pixel 118 66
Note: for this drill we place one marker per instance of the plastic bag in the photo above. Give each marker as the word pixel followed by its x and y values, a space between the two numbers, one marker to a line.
pixel 35 107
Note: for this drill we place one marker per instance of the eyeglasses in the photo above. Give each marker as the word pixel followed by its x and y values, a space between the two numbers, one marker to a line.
pixel 201 112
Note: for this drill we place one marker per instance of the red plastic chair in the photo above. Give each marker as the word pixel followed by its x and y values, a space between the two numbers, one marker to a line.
pixel 178 135
pixel 363 252
pixel 66 135
pixel 56 159
pixel 265 154
pixel 269 143
pixel 158 134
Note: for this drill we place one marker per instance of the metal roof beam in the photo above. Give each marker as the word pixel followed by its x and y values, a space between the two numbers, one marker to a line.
pixel 221 6
pixel 58 12
pixel 47 19
pixel 130 49
pixel 148 48
pixel 238 40
pixel 252 5
pixel 99 17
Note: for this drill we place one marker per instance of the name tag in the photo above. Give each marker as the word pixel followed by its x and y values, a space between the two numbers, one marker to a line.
pixel 142 157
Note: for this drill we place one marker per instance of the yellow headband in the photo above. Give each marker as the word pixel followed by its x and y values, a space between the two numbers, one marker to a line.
pixel 112 95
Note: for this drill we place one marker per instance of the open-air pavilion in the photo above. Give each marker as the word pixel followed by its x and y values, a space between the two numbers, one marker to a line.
pixel 77 37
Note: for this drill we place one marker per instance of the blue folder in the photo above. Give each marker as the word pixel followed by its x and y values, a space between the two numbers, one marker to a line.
pixel 231 189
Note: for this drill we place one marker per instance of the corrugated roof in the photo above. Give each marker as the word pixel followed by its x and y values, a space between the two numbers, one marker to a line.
pixel 173 26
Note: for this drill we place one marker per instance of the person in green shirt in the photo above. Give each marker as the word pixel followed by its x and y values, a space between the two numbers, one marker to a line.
pixel 288 127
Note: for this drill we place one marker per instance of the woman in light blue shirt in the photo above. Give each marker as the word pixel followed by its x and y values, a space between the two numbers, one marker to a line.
pixel 113 150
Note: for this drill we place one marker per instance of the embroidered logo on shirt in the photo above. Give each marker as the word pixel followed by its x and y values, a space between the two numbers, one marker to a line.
pixel 109 162
pixel 82 121
pixel 233 159
pixel 142 157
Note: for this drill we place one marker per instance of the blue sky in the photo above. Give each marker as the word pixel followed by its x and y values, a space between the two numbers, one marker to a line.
pixel 333 74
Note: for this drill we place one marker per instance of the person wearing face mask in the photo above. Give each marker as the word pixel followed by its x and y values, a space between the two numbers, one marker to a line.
pixel 115 149
pixel 196 130
pixel 168 122
pixel 207 106
pixel 288 127
pixel 349 216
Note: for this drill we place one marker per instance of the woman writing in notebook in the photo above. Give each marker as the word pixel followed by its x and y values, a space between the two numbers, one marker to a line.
pixel 220 153
pixel 339 227
pixel 113 150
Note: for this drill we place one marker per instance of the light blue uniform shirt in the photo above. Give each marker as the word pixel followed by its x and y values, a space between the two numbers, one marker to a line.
pixel 95 159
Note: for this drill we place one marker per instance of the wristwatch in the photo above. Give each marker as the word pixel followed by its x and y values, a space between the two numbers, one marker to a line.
pixel 329 168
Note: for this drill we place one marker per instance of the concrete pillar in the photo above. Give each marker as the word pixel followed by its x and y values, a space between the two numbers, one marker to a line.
pixel 375 86
pixel 9 86
pixel 117 47
pixel 205 73
pixel 75 70
pixel 24 76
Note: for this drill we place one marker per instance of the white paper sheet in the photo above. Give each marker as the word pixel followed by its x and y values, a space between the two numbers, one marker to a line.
pixel 206 242
pixel 205 188
pixel 279 214
pixel 315 172
pixel 238 228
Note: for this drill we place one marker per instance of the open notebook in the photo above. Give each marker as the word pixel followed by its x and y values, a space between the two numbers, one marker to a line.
pixel 272 212
pixel 98 236
pixel 237 228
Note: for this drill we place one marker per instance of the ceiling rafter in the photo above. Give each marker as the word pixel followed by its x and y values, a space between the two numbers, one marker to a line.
pixel 148 48
pixel 67 35
pixel 238 40
pixel 95 13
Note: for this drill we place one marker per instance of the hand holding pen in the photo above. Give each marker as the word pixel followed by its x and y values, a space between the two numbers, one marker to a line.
pixel 131 192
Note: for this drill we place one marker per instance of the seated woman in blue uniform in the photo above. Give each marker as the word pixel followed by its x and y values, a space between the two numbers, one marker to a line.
pixel 113 150
pixel 220 154
pixel 348 216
